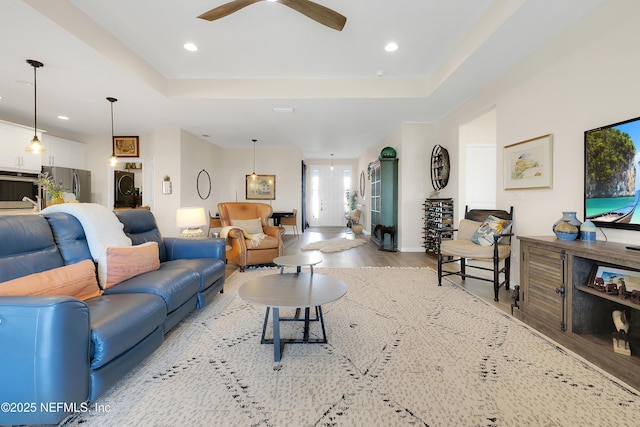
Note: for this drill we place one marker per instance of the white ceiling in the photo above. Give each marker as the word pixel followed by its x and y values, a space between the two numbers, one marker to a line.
pixel 262 57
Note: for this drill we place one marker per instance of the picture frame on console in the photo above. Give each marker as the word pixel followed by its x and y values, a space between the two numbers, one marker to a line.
pixel 529 164
pixel 126 146
pixel 260 187
pixel 614 280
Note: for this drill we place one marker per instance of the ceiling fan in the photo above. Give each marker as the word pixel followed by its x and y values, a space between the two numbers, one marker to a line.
pixel 318 13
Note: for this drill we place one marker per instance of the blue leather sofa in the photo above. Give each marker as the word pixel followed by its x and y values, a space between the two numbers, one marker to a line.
pixel 58 353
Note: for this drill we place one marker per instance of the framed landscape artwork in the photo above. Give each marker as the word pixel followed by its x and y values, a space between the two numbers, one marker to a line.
pixel 528 164
pixel 603 275
pixel 126 146
pixel 261 187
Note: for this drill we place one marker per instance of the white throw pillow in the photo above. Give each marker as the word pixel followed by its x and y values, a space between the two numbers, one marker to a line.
pixel 250 226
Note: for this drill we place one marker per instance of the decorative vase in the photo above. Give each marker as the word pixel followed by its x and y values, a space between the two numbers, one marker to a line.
pixel 588 231
pixel 357 228
pixel 566 231
pixel 388 153
pixel 571 218
pixel 55 201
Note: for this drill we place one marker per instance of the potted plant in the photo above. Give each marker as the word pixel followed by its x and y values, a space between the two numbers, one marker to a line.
pixel 54 190
pixel 352 200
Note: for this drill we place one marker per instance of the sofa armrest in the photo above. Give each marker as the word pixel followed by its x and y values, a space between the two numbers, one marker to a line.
pixel 181 248
pixel 44 362
pixel 273 231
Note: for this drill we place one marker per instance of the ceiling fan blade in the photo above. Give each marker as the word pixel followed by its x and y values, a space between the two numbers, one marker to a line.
pixel 226 9
pixel 318 13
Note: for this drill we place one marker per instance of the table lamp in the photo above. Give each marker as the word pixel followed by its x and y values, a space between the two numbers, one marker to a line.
pixel 191 219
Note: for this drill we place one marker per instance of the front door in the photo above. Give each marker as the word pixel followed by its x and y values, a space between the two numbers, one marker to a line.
pixel 327 194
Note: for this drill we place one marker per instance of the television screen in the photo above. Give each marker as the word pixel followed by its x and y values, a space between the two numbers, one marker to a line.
pixel 611 186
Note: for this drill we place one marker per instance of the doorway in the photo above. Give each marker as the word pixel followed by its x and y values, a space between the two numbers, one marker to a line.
pixel 477 173
pixel 326 196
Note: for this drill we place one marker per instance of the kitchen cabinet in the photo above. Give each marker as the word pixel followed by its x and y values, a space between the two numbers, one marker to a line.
pixel 13 140
pixel 64 153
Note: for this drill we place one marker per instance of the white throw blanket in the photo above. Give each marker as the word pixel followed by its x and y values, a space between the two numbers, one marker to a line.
pixel 101 227
pixel 256 239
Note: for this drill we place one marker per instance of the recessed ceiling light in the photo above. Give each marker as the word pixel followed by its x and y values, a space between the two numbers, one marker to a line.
pixel 283 110
pixel 391 47
pixel 191 47
pixel 205 135
pixel 63 117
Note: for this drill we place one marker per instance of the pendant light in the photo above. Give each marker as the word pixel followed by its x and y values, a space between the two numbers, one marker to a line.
pixel 331 162
pixel 113 160
pixel 253 175
pixel 35 146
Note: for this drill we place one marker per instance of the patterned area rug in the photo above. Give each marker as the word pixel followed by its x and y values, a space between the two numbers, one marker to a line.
pixel 402 352
pixel 336 244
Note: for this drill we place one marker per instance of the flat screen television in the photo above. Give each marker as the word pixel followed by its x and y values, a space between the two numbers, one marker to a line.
pixel 611 182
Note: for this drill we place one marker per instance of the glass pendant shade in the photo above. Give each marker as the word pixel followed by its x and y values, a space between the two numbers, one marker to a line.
pixel 35 146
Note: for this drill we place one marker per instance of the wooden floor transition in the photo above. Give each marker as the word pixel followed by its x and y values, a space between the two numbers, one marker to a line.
pixel 369 256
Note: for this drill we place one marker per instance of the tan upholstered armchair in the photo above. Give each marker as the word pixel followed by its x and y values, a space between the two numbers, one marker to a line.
pixel 241 221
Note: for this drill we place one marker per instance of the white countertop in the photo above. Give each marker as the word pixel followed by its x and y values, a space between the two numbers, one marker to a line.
pixel 4 212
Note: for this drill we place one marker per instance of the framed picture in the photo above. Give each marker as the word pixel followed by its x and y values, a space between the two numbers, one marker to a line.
pixel 261 187
pixel 126 146
pixel 614 280
pixel 528 164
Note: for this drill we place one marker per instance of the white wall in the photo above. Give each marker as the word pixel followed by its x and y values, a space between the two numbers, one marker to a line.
pixel 586 78
pixel 163 146
pixel 196 155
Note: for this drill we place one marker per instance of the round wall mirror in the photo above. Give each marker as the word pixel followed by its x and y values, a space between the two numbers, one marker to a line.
pixel 203 184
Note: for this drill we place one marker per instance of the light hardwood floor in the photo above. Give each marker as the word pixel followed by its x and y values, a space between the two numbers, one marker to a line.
pixel 369 256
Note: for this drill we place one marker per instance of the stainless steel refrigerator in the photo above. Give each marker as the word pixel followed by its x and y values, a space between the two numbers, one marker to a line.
pixel 76 181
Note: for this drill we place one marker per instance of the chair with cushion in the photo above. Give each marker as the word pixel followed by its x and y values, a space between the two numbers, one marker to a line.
pixel 291 220
pixel 246 226
pixel 353 217
pixel 483 235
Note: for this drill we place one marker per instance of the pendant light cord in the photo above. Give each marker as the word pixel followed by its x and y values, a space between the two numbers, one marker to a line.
pixel 35 103
pixel 253 175
pixel 113 152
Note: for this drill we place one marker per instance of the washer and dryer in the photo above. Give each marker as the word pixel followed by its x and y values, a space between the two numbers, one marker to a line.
pixel 125 196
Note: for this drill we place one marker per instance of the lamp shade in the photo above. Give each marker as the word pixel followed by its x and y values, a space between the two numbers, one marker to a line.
pixel 190 217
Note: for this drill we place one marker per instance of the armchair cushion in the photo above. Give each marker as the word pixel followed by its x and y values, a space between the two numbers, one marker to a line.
pixel 250 226
pixel 468 249
pixel 491 228
pixel 467 228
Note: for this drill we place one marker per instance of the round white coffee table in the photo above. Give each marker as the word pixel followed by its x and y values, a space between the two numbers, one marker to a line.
pixel 292 290
pixel 297 261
